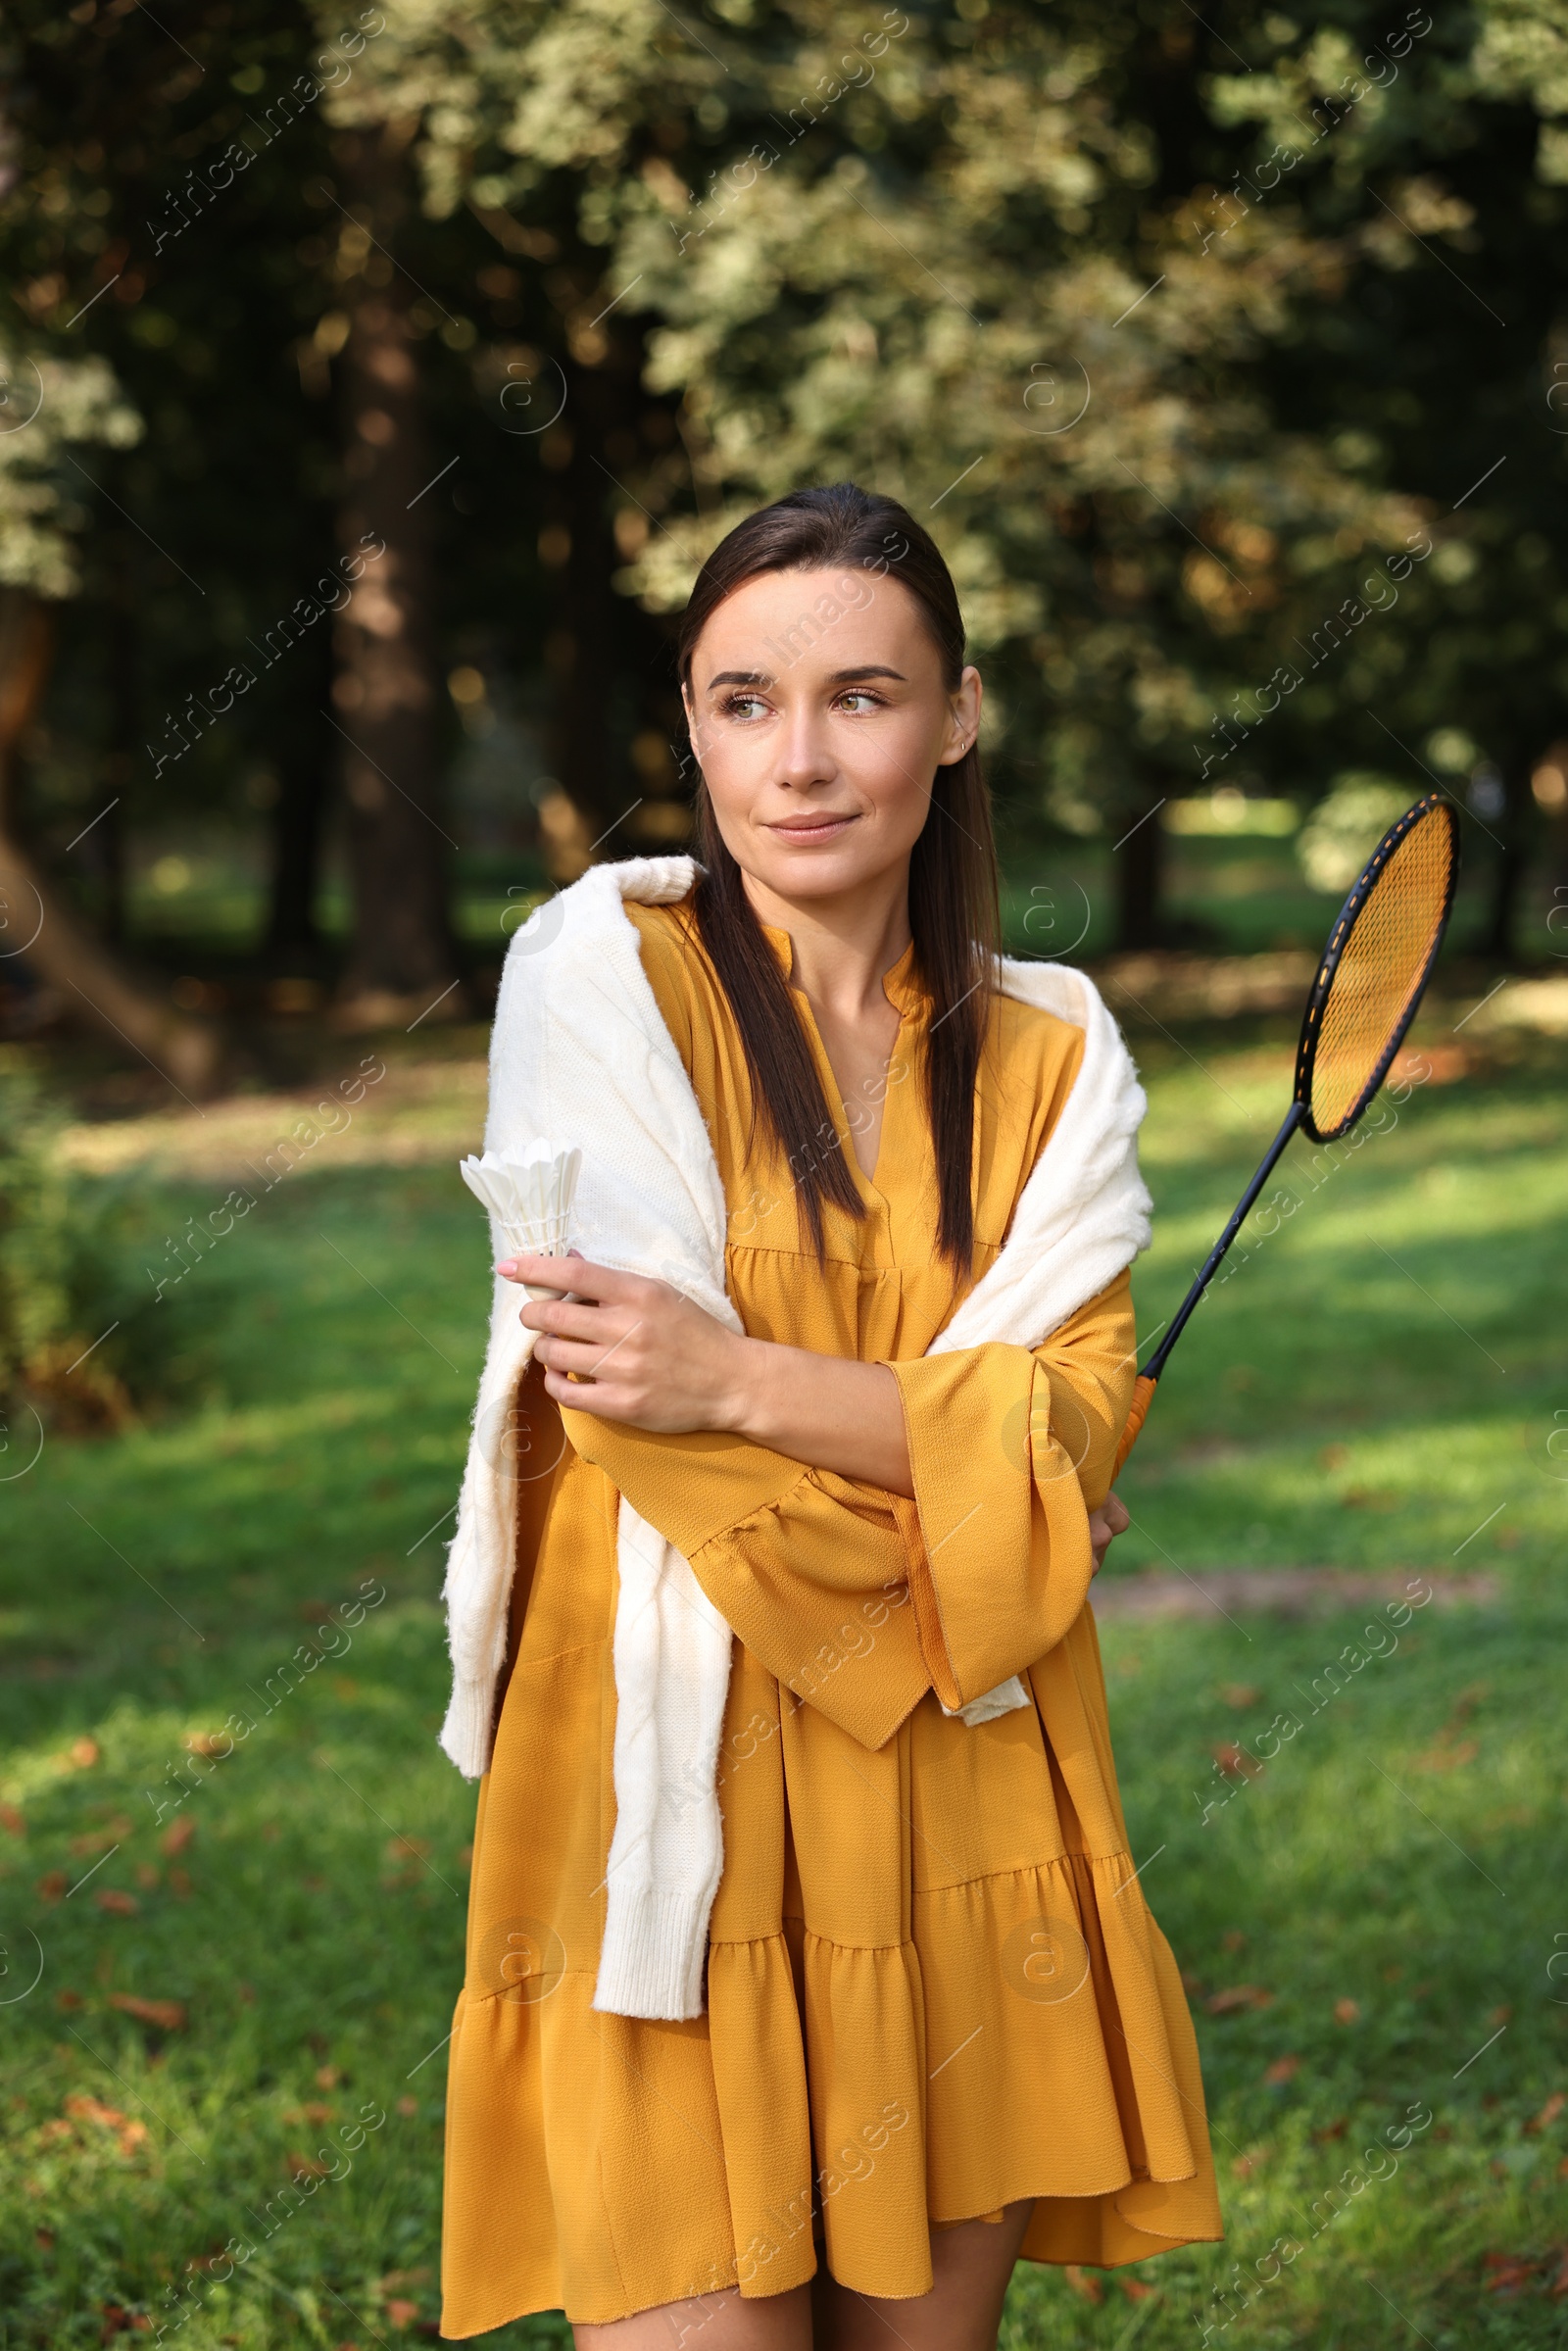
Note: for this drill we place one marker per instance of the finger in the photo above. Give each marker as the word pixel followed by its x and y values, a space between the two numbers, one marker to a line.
pixel 583 1356
pixel 586 1396
pixel 567 1319
pixel 597 1282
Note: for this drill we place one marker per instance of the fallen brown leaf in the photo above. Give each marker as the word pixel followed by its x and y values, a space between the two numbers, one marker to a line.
pixel 306 2167
pixel 1237 1996
pixel 1135 2289
pixel 93 2110
pixel 1081 2282
pixel 1239 1694
pixel 1233 1939
pixel 1235 1762
pixel 406 1848
pixel 408 2105
pixel 328 2076
pixel 1252 2160
pixel 168 2015
pixel 11 1818
pixel 1509 2273
pixel 207 1742
pixel 400 2313
pixel 177 1835
pixel 51 1888
pixel 123 1905
pixel 1284 2068
pixel 1345 2012
pixel 1549 2112
pixel 99 1841
pixel 82 1754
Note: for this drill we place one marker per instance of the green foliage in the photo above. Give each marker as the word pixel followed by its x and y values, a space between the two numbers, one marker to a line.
pixel 49 406
pixel 1180 337
pixel 1345 827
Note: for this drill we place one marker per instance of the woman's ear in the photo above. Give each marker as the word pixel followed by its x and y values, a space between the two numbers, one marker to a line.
pixel 693 723
pixel 963 719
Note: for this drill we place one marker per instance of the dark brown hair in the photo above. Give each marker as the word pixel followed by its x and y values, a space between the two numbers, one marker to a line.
pixel 952 872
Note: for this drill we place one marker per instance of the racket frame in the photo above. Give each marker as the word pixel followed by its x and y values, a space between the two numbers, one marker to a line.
pixel 1334 954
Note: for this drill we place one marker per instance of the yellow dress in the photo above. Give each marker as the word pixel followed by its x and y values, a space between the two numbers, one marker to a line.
pixel 933 1983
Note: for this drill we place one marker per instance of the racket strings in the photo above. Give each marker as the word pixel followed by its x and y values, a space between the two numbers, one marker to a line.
pixel 1381 970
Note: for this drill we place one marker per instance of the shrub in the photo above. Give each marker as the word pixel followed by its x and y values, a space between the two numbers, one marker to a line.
pixel 76 1336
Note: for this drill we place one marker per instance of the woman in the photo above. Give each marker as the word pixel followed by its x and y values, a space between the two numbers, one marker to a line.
pixel 931 2024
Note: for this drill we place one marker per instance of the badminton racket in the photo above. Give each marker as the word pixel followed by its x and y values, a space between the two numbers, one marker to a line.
pixel 1369 983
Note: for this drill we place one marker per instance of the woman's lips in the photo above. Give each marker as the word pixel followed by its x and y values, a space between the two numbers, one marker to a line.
pixel 819 829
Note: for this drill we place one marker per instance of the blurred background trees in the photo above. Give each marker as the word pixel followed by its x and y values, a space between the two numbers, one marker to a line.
pixel 376 377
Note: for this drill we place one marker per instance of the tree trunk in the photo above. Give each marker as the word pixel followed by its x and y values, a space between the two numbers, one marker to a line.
pixel 35 923
pixel 308 760
pixel 1509 870
pixel 107 840
pixel 1139 859
pixel 610 672
pixel 581 649
pixel 385 696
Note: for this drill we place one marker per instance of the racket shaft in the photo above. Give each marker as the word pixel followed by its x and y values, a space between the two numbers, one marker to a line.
pixel 1161 1355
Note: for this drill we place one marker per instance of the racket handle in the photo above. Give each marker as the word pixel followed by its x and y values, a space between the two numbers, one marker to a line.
pixel 1142 1397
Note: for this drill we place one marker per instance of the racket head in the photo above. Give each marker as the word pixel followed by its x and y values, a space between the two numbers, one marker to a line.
pixel 1374 966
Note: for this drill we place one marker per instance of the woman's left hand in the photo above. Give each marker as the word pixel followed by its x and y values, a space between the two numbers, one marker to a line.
pixel 1112 1519
pixel 643 1354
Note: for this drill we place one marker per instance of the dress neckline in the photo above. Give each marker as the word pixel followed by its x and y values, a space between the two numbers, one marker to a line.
pixel 901 982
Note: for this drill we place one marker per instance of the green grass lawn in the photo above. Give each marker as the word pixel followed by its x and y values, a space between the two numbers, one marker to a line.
pixel 1385 1904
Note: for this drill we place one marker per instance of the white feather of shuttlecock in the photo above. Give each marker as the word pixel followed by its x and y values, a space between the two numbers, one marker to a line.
pixel 529 1194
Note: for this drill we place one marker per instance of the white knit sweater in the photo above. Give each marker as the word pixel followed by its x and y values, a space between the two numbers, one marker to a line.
pixel 581 1055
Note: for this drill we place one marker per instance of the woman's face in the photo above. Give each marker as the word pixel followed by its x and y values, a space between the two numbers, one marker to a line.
pixel 820 718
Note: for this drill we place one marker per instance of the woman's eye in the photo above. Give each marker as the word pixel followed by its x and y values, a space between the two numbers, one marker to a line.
pixel 863 697
pixel 743 705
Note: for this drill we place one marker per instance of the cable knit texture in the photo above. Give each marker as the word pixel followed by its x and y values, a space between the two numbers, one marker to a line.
pixel 581 1057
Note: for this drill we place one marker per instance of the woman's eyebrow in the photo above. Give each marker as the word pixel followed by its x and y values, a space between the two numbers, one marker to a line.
pixel 839 678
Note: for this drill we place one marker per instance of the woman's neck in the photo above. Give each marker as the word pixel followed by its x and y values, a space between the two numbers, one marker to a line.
pixel 842 948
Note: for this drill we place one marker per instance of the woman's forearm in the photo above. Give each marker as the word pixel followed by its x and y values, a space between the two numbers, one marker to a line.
pixel 825 1411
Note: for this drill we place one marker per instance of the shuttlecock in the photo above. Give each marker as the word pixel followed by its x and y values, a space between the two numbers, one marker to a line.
pixel 529 1194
